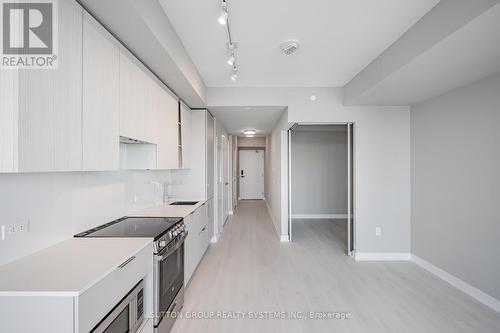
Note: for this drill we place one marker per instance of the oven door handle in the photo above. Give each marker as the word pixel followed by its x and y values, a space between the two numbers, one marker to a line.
pixel 166 253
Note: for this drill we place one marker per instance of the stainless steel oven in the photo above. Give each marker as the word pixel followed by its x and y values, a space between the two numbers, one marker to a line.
pixel 169 282
pixel 127 316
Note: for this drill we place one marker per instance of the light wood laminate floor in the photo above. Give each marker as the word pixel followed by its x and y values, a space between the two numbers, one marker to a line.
pixel 250 270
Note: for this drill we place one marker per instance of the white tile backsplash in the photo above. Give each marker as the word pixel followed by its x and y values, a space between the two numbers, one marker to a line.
pixel 59 205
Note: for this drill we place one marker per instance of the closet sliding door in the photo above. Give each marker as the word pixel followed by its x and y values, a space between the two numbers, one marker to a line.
pixel 350 189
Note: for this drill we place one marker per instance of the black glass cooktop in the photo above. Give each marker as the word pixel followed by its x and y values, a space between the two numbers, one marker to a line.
pixel 133 227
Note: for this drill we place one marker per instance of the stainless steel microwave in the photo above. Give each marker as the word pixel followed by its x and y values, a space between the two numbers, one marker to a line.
pixel 127 316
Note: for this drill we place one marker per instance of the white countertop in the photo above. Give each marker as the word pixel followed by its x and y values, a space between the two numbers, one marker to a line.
pixel 68 268
pixel 167 210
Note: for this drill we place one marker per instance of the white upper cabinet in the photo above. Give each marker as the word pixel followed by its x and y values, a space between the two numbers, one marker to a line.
pixel 101 98
pixel 166 128
pixel 210 137
pixel 134 101
pixel 72 118
pixel 41 110
pixel 185 120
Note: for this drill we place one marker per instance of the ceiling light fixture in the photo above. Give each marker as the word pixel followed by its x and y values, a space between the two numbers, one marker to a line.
pixel 249 132
pixel 230 45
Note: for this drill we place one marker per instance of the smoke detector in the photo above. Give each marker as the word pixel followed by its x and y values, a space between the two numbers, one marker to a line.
pixel 289 46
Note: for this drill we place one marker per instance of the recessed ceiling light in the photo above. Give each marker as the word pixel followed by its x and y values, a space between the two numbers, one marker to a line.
pixel 249 132
pixel 313 98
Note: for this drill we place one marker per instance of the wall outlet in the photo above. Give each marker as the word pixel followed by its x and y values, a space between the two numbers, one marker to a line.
pixel 378 231
pixel 12 230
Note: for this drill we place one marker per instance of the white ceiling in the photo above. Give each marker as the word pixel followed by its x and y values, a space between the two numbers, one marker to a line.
pixel 235 120
pixel 338 37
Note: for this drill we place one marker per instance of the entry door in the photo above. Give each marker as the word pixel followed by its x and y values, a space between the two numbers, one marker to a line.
pixel 251 174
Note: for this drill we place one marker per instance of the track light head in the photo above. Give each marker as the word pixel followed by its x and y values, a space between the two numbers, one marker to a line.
pixel 231 60
pixel 223 17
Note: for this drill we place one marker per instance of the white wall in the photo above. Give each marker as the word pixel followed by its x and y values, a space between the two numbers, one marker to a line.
pixel 273 176
pixel 59 205
pixel 382 152
pixel 455 153
pixel 319 173
pixel 251 142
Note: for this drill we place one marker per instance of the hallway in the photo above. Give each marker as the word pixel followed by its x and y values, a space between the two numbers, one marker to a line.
pixel 249 270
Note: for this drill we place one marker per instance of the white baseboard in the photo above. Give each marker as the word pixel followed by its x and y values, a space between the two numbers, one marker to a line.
pixel 272 218
pixel 319 216
pixel 458 283
pixel 383 256
pixel 284 238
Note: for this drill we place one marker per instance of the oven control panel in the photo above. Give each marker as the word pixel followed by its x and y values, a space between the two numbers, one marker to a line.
pixel 174 232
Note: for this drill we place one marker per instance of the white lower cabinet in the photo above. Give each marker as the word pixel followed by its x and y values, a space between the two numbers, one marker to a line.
pixel 96 302
pixel 64 313
pixel 197 241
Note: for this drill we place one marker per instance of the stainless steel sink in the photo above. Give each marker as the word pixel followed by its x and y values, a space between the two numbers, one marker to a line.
pixel 184 203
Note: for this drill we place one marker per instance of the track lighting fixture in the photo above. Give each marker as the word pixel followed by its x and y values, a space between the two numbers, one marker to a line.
pixel 230 45
pixel 235 73
pixel 223 16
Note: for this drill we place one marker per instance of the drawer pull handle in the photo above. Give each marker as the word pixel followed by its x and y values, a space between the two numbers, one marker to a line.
pixel 202 230
pixel 126 262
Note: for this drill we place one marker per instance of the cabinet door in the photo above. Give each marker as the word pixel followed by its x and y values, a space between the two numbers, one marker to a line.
pixel 50 103
pixel 203 234
pixel 185 136
pixel 8 120
pixel 101 113
pixel 210 214
pixel 210 155
pixel 167 130
pixel 132 91
pixel 190 247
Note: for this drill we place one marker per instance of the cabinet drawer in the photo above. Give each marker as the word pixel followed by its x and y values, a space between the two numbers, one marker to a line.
pixel 95 303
